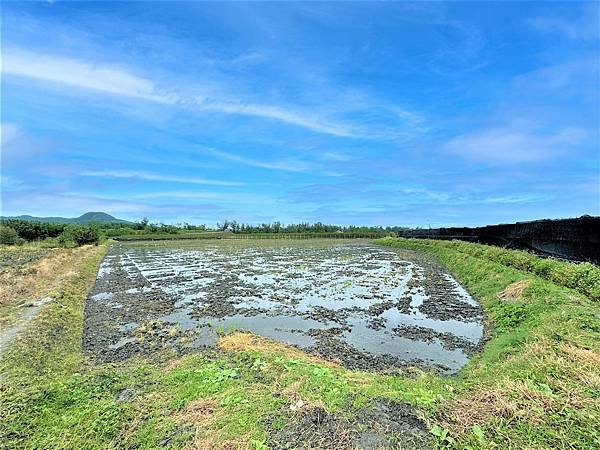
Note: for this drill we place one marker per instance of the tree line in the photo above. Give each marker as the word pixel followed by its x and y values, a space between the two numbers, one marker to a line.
pixel 304 227
pixel 16 231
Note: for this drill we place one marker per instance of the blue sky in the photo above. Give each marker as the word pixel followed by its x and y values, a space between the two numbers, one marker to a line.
pixel 410 114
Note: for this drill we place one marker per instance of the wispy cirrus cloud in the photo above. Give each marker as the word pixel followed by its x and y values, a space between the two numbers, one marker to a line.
pixel 81 74
pixel 9 132
pixel 515 144
pixel 101 77
pixel 584 27
pixel 287 115
pixel 148 176
pixel 119 81
pixel 289 166
pixel 579 74
pixel 227 197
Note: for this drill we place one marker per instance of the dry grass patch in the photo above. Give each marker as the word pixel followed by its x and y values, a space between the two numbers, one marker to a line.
pixel 173 364
pixel 578 362
pixel 511 401
pixel 581 355
pixel 202 414
pixel 462 413
pixel 241 341
pixel 298 401
pixel 514 291
pixel 41 278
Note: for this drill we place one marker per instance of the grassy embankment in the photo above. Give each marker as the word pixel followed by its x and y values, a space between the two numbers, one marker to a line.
pixel 536 385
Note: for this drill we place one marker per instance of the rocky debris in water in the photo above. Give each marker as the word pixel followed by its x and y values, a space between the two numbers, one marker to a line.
pixel 384 425
pixel 376 323
pixel 321 297
pixel 330 346
pixel 441 307
pixel 448 340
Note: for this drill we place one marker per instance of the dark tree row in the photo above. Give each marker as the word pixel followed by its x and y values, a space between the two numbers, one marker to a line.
pixel 318 227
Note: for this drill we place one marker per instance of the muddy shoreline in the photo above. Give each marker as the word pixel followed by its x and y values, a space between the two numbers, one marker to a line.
pixel 372 308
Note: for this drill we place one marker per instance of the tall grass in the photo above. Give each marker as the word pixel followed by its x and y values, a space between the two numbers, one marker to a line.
pixel 582 277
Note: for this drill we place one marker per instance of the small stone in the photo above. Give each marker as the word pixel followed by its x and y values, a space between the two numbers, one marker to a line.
pixel 295 406
pixel 126 395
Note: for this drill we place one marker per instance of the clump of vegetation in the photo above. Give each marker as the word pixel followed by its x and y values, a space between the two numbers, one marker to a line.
pixel 80 235
pixel 34 231
pixel 14 231
pixel 8 235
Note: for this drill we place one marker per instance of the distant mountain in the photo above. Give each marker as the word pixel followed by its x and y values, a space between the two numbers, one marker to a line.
pixel 89 217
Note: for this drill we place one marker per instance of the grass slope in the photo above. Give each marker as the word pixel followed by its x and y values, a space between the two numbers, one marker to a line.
pixel 536 384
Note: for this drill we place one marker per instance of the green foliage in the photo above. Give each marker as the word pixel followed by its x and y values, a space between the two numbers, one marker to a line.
pixel 303 228
pixel 444 439
pixel 529 339
pixel 8 235
pixel 80 235
pixel 34 231
pixel 583 277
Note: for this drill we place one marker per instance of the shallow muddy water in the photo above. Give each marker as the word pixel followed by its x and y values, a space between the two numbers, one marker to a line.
pixel 371 307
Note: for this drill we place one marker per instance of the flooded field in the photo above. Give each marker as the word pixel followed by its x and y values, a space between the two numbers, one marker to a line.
pixel 370 307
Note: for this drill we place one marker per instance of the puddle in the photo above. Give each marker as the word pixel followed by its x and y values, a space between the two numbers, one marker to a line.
pixel 364 298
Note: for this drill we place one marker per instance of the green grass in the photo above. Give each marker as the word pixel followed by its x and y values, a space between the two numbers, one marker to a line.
pixel 536 384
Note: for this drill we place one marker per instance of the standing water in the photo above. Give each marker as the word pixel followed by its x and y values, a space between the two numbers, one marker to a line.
pixel 370 307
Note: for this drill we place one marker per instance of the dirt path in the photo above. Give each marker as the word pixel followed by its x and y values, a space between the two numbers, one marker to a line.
pixel 29 280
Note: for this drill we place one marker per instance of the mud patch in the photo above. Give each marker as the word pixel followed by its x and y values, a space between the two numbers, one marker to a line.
pixel 367 306
pixel 385 425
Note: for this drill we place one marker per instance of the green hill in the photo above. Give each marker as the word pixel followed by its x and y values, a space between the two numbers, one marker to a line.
pixel 88 217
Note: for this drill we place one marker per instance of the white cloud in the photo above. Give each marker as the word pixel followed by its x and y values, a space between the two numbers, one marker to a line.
pixel 584 27
pixel 12 184
pixel 121 82
pixel 81 74
pixel 307 120
pixel 9 132
pixel 140 175
pixel 511 199
pixel 289 166
pixel 67 205
pixel 229 197
pixel 511 145
pixel 372 118
pixel 579 74
pixel 336 156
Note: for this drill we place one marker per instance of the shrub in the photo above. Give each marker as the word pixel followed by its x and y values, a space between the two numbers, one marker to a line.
pixel 80 235
pixel 8 235
pixel 33 231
